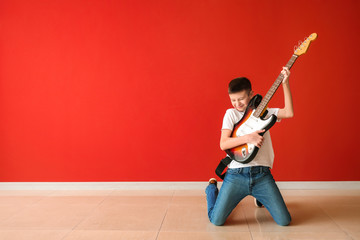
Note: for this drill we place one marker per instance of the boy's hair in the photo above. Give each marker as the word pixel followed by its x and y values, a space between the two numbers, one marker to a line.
pixel 239 84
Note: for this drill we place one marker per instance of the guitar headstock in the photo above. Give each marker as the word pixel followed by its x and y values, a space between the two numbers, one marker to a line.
pixel 303 47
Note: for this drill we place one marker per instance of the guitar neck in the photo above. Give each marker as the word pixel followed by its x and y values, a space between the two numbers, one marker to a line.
pixel 263 104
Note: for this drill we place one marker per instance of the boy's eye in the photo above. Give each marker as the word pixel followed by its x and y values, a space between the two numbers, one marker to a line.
pixel 237 100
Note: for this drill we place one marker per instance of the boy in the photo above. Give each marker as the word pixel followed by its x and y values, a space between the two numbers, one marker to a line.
pixel 253 178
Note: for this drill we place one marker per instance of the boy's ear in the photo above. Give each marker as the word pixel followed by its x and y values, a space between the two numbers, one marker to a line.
pixel 251 93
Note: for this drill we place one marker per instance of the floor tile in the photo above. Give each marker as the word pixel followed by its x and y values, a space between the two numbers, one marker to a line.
pixel 37 193
pixel 300 235
pixel 142 193
pixel 53 213
pixel 128 213
pixel 204 235
pixel 327 192
pixel 11 205
pixel 305 217
pixel 190 192
pixel 112 201
pixel 345 216
pixel 111 235
pixel 355 235
pixel 103 193
pixel 194 218
pixel 32 234
pixel 189 200
pixel 171 214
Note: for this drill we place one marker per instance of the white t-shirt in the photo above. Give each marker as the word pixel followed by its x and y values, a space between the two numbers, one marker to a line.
pixel 265 155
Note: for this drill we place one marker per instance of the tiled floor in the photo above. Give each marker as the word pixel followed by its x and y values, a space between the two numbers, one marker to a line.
pixel 171 214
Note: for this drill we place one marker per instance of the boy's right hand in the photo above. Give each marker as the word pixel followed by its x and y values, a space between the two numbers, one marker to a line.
pixel 255 138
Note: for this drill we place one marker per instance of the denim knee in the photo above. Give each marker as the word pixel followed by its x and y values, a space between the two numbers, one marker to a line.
pixel 217 222
pixel 284 221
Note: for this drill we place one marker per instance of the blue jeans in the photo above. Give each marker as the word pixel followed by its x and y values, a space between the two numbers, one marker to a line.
pixel 241 182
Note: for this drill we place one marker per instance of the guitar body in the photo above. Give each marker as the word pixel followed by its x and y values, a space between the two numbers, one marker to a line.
pixel 249 123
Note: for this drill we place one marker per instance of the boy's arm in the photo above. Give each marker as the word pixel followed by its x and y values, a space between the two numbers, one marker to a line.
pixel 288 110
pixel 228 142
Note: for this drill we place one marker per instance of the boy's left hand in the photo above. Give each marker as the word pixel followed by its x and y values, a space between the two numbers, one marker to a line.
pixel 286 73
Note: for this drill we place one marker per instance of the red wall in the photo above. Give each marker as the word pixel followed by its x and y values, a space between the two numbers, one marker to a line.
pixel 100 90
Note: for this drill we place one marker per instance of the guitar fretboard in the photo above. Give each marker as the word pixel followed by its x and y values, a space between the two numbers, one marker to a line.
pixel 264 102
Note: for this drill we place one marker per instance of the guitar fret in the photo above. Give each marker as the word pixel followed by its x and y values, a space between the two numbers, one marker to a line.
pixel 273 88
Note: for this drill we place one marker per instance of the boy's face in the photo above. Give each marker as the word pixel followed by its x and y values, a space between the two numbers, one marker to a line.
pixel 241 99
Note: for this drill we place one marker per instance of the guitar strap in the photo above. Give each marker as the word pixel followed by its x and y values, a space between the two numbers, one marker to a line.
pixel 221 167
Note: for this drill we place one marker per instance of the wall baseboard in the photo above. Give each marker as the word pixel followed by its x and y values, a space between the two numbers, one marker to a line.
pixel 346 185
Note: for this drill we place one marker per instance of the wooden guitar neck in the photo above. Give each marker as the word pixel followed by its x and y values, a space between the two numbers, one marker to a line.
pixel 265 101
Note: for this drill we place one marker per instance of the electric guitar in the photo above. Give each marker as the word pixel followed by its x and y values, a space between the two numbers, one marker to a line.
pixel 254 116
